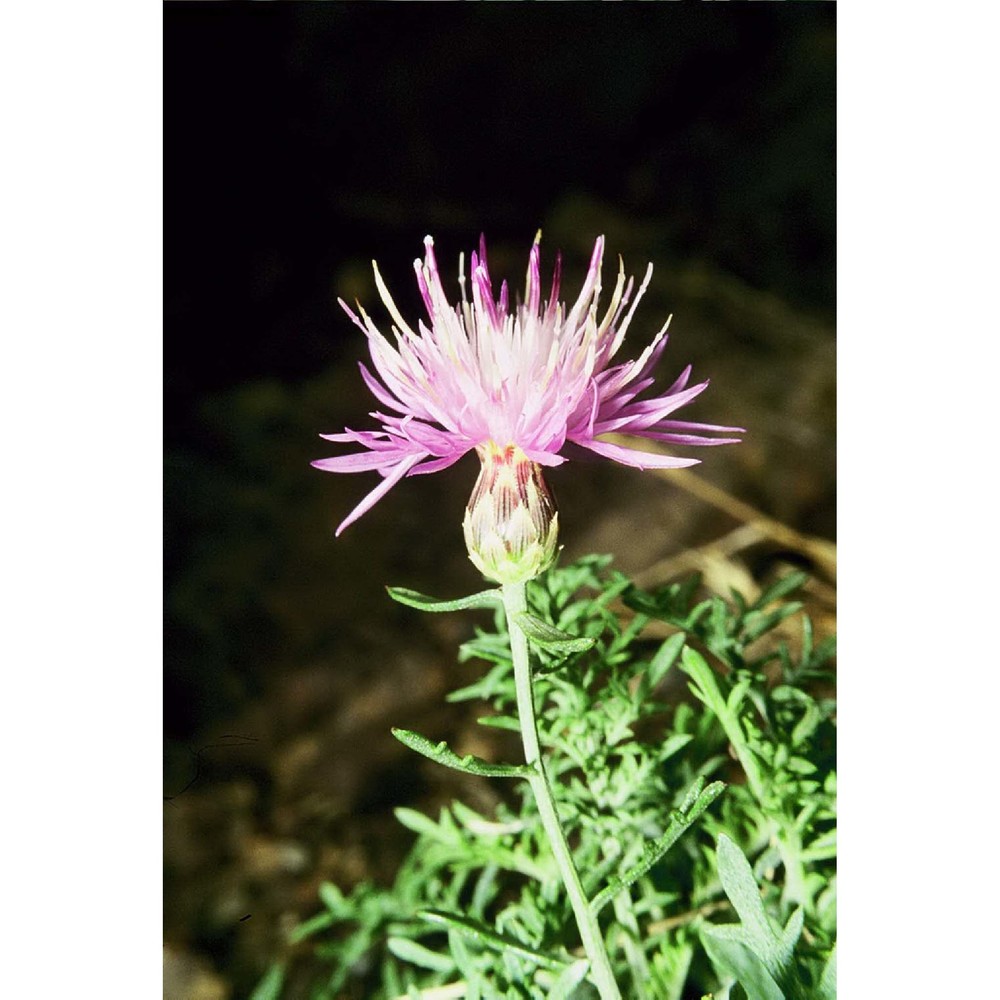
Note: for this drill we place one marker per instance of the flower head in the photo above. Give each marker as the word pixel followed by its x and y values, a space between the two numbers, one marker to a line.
pixel 511 523
pixel 536 375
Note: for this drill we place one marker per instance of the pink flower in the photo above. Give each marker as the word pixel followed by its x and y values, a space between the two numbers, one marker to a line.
pixel 536 375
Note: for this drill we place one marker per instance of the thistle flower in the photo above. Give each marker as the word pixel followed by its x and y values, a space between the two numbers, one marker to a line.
pixel 534 376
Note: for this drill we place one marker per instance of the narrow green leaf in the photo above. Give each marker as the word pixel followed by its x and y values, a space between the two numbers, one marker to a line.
pixel 547 636
pixel 469 818
pixel 307 928
pixel 412 599
pixel 737 694
pixel 828 981
pixel 470 764
pixel 419 823
pixel 269 988
pixel 485 890
pixel 478 932
pixel 417 954
pixel 807 638
pixel 465 962
pixel 790 936
pixel 807 725
pixel 826 650
pixel 499 679
pixel 492 648
pixel 623 637
pixel 501 722
pixel 823 847
pixel 706 689
pixel 571 977
pixel 333 899
pixel 693 792
pixel 799 765
pixel 757 623
pixel 655 849
pixel 786 585
pixel 639 600
pixel 697 613
pixel 674 743
pixel 665 658
pixel 705 686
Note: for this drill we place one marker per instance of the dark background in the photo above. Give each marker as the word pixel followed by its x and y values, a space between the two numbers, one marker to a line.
pixel 301 140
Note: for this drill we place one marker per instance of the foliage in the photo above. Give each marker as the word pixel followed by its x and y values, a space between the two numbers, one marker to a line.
pixel 702 821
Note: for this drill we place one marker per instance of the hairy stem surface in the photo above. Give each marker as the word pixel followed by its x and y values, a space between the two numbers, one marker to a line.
pixel 515 602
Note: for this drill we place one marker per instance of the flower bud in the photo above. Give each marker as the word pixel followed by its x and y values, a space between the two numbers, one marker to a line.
pixel 511 523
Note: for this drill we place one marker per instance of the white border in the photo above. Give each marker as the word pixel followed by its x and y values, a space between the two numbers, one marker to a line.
pixel 82 376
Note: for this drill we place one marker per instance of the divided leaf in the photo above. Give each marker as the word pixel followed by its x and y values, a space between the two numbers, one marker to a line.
pixel 753 951
pixel 741 887
pixel 441 753
pixel 655 849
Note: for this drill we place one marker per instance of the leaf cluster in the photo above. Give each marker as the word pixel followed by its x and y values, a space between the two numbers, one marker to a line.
pixel 639 735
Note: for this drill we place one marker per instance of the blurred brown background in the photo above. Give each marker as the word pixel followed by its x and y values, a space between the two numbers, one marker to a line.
pixel 301 141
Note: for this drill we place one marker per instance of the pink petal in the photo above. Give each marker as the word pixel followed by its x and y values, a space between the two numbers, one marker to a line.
pixel 686 425
pixel 380 491
pixel 363 461
pixel 550 309
pixel 682 380
pixel 374 440
pixel 635 458
pixel 693 439
pixel 380 392
pixel 437 464
pixel 641 415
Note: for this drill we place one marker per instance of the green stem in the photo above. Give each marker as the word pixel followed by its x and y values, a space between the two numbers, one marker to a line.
pixel 515 602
